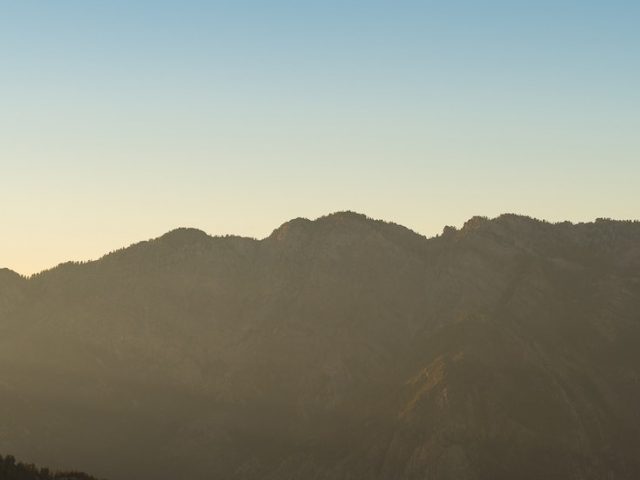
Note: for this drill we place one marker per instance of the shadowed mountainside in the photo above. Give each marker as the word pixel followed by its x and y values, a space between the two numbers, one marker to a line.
pixel 334 349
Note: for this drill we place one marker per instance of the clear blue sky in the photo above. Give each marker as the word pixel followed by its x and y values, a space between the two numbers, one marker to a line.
pixel 120 120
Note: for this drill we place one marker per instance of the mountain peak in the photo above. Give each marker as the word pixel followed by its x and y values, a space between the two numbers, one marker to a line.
pixel 7 271
pixel 184 235
pixel 294 228
pixel 8 274
pixel 337 221
pixel 346 216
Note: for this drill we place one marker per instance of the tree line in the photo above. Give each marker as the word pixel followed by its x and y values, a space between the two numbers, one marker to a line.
pixel 10 469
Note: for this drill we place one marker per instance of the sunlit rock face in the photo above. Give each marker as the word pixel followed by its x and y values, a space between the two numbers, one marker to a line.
pixel 340 348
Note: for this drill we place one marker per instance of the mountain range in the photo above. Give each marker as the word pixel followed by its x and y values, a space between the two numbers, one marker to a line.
pixel 343 348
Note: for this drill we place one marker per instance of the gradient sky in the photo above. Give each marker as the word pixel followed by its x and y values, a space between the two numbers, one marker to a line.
pixel 120 120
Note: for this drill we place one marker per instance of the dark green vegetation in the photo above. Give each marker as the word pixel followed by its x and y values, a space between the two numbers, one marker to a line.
pixel 12 470
pixel 343 348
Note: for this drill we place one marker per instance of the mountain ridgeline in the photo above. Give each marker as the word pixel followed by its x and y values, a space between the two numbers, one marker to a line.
pixel 340 348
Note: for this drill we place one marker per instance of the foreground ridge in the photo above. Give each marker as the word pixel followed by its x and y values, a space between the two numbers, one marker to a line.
pixel 10 469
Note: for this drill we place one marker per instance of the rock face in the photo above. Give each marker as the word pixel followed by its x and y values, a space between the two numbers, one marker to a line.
pixel 340 348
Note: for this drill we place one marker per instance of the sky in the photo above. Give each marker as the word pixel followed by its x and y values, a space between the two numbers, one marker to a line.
pixel 121 120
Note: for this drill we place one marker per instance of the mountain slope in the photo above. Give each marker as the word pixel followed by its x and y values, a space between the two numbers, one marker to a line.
pixel 337 348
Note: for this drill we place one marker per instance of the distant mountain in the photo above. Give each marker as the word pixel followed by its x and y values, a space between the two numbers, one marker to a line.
pixel 340 348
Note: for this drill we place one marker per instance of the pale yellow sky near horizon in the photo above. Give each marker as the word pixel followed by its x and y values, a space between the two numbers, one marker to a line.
pixel 120 121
